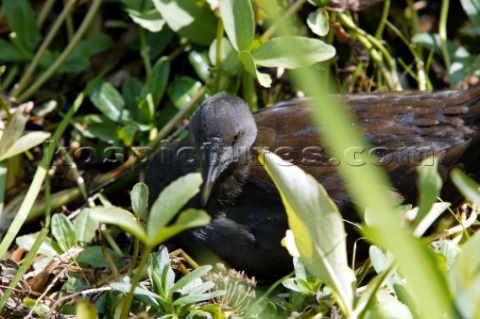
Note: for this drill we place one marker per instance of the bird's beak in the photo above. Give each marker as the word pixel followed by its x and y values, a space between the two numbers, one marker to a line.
pixel 211 168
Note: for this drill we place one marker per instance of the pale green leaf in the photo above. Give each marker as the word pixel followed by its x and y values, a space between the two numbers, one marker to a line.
pixel 238 20
pixel 121 218
pixel 292 52
pixel 170 201
pixel 317 226
pixel 24 143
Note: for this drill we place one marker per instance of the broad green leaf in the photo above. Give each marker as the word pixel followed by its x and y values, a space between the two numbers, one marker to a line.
pixel 24 143
pixel 79 60
pixel 191 19
pixel 464 278
pixel 98 126
pixel 182 90
pixel 23 23
pixel 139 198
pixel 468 187
pixel 239 23
pixel 229 61
pixel 157 81
pixel 161 273
pixel 430 183
pixel 93 257
pixel 388 307
pixel 131 91
pixel 85 310
pixel 317 226
pixel 292 52
pixel 10 53
pixel 85 226
pixel 472 9
pixel 191 299
pixel 107 100
pixel 318 22
pixel 171 200
pixel 249 65
pixel 151 20
pixel 200 63
pixel 40 309
pixel 138 291
pixel 127 134
pixel 188 219
pixel 63 231
pixel 14 129
pixel 121 218
pixel 46 248
pixel 187 279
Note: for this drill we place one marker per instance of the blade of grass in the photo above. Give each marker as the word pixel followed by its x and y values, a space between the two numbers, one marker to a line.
pixel 92 12
pixel 23 268
pixel 38 179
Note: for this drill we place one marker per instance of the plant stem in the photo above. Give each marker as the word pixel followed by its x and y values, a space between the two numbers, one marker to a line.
pixel 24 267
pixel 42 16
pixel 38 179
pixel 136 280
pixel 290 12
pixel 383 20
pixel 45 44
pixel 92 11
pixel 442 33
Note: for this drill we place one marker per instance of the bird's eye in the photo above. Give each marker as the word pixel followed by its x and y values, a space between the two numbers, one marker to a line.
pixel 235 138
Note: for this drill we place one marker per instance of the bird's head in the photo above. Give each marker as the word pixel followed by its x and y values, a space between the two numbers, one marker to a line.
pixel 223 130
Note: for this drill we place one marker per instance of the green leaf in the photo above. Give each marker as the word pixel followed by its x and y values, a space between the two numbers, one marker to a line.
pixel 200 63
pixel 85 226
pixel 191 19
pixel 139 198
pixel 157 81
pixel 318 22
pixel 24 143
pixel 292 52
pixel 63 231
pixel 23 23
pixel 464 278
pixel 171 200
pixel 388 307
pixel 182 90
pixel 468 187
pixel 190 278
pixel 430 183
pixel 10 53
pixel 139 291
pixel 238 21
pixel 316 224
pixel 46 248
pixel 472 9
pixel 13 130
pixel 228 56
pixel 107 100
pixel 127 134
pixel 131 91
pixel 151 20
pixel 188 219
pixel 93 257
pixel 121 218
pixel 85 310
pixel 98 126
pixel 249 65
pixel 161 273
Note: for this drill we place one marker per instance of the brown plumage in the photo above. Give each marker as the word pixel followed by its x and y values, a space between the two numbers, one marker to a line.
pixel 248 218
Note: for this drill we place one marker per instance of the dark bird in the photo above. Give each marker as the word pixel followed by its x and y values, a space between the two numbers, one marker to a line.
pixel 248 218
